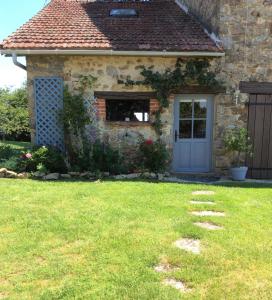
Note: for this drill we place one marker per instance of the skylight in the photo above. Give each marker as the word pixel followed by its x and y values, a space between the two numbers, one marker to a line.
pixel 123 12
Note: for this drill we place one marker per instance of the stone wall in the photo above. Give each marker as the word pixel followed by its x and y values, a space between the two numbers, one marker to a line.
pixel 245 30
pixel 244 27
pixel 206 11
pixel 107 70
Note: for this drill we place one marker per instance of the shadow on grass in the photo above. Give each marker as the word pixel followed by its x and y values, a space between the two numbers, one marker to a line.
pixel 140 180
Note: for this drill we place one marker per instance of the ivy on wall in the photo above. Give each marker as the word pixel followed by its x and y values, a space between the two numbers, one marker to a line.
pixel 185 73
pixel 75 115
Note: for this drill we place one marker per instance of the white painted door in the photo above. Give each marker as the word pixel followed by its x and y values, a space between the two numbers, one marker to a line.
pixel 193 118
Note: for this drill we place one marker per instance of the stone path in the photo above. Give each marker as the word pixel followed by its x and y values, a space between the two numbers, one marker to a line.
pixel 179 285
pixel 197 193
pixel 202 202
pixel 189 245
pixel 208 225
pixel 166 268
pixel 208 213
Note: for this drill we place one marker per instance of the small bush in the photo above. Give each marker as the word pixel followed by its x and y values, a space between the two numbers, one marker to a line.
pixel 106 159
pixel 45 157
pixel 238 142
pixel 9 157
pixel 6 152
pixel 153 156
pixel 11 163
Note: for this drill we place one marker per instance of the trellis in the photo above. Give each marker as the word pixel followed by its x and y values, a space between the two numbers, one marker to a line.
pixel 49 103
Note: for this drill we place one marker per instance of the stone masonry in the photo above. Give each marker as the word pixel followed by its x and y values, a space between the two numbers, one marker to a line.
pixel 107 70
pixel 244 26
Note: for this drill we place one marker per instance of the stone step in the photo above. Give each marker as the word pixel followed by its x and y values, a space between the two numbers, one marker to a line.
pixel 208 213
pixel 176 284
pixel 202 202
pixel 208 226
pixel 189 245
pixel 199 193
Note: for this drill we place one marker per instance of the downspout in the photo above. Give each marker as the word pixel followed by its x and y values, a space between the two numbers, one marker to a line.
pixel 16 62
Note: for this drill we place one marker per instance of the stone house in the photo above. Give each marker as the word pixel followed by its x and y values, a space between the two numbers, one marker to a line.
pixel 110 40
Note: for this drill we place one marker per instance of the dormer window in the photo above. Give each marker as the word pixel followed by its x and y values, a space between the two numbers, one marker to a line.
pixel 123 12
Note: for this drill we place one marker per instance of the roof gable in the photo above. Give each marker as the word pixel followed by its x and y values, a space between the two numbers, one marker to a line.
pixel 70 24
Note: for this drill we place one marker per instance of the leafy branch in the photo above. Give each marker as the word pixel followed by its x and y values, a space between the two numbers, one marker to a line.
pixel 170 81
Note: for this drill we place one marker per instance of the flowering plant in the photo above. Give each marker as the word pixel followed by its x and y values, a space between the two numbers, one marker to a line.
pixel 153 155
pixel 149 142
pixel 43 158
pixel 26 155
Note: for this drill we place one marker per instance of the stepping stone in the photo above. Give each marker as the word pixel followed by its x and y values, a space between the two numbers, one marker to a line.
pixel 202 202
pixel 189 245
pixel 207 225
pixel 208 213
pixel 178 285
pixel 203 193
pixel 166 268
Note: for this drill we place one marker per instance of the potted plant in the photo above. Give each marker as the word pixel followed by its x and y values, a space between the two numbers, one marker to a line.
pixel 237 141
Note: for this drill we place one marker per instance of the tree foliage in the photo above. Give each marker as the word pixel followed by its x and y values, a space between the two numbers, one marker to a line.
pixel 238 142
pixel 14 116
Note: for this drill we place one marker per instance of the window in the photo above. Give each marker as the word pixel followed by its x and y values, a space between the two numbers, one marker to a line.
pixel 192 119
pixel 123 12
pixel 127 110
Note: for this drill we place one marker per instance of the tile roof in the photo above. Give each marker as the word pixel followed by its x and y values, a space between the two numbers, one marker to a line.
pixel 74 24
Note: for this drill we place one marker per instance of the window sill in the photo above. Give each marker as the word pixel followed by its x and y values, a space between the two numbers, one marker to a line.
pixel 127 124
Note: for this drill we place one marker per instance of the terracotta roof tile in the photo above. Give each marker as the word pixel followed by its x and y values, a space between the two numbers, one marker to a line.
pixel 70 24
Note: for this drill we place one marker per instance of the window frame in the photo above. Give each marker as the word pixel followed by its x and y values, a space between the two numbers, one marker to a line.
pixel 128 100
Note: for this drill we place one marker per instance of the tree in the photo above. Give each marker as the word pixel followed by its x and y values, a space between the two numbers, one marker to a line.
pixel 14 117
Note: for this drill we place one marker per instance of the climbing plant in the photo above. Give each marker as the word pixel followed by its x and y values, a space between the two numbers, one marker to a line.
pixel 75 115
pixel 164 84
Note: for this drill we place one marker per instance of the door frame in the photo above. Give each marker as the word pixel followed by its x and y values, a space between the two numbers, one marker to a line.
pixel 177 99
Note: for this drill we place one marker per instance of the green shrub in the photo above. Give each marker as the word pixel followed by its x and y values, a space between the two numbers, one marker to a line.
pixel 10 156
pixel 153 156
pixel 6 152
pixel 12 163
pixel 237 141
pixel 47 157
pixel 106 159
pixel 42 168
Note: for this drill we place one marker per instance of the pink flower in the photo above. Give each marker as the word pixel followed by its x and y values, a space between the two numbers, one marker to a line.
pixel 149 142
pixel 28 155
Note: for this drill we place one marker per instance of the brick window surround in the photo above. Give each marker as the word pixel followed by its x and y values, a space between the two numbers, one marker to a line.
pixel 101 107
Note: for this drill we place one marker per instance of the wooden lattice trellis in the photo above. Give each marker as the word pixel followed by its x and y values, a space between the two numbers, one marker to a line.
pixel 49 102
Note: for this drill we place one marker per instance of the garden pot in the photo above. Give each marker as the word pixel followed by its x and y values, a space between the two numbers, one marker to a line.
pixel 239 173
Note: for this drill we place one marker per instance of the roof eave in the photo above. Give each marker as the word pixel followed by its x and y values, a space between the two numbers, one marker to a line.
pixel 24 52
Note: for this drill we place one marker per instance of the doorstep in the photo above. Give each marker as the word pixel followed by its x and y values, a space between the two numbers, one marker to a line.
pixel 228 180
pixel 197 177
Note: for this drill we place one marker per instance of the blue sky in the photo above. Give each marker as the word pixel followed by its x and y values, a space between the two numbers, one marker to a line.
pixel 14 13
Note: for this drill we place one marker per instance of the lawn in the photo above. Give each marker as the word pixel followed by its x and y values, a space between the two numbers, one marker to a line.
pixel 16 145
pixel 82 240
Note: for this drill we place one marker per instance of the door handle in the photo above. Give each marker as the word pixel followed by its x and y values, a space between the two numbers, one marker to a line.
pixel 176 135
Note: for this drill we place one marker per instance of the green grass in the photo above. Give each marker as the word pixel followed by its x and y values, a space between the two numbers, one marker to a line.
pixel 81 240
pixel 16 145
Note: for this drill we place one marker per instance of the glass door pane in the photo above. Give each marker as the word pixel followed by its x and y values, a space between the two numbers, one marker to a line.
pixel 186 109
pixel 185 129
pixel 200 109
pixel 199 129
pixel 199 119
pixel 186 119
